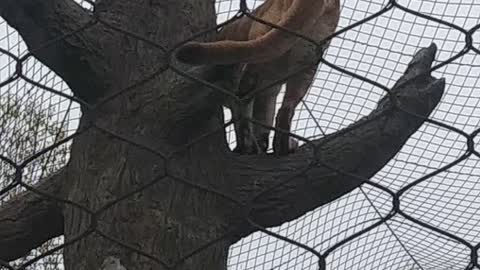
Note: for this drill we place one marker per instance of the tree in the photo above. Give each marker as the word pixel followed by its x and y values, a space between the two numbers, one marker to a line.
pixel 151 182
pixel 26 128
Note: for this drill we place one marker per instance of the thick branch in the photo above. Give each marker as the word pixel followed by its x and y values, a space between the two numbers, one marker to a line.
pixel 29 220
pixel 74 58
pixel 360 150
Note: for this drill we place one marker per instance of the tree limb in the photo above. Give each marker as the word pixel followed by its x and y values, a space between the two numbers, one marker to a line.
pixel 360 150
pixel 76 57
pixel 29 220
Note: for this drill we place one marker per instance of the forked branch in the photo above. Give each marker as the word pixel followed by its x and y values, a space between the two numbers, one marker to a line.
pixel 343 160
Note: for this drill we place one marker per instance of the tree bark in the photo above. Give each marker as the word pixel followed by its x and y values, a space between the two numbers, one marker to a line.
pixel 31 219
pixel 152 180
pixel 65 38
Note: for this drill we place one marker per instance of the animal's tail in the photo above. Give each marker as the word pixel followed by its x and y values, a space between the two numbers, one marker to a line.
pixel 301 15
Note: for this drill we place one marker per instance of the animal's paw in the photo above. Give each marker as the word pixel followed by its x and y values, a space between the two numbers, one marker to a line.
pixel 284 145
pixel 249 147
pixel 262 141
pixel 292 145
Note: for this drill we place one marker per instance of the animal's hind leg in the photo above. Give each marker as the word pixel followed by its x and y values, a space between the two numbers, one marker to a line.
pixel 297 87
pixel 264 112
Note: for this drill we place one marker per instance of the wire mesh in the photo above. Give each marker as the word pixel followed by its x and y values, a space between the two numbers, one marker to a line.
pixel 435 175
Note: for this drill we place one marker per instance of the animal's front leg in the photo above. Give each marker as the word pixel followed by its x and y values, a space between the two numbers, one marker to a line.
pixel 264 112
pixel 297 87
pixel 246 141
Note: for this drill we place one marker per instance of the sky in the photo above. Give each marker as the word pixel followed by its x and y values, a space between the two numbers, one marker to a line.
pixel 379 50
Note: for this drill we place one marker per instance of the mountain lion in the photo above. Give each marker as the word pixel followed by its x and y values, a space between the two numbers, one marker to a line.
pixel 260 56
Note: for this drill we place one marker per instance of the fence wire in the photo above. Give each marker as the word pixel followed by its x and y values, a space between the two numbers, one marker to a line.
pixel 435 175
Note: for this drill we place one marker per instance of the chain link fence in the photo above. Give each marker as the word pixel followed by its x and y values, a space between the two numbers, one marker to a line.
pixel 435 176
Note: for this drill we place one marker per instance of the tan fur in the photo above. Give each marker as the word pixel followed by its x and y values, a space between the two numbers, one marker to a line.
pixel 296 15
pixel 263 55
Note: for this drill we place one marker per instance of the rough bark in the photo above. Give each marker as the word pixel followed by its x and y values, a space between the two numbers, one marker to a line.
pixel 185 197
pixel 66 38
pixel 31 219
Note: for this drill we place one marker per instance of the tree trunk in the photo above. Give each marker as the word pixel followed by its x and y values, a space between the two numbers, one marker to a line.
pixel 166 220
pixel 151 183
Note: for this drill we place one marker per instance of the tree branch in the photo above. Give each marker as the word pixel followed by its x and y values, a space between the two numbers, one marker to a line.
pixel 75 58
pixel 29 220
pixel 356 153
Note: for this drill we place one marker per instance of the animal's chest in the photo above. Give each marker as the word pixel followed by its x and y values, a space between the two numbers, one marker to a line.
pixel 302 54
